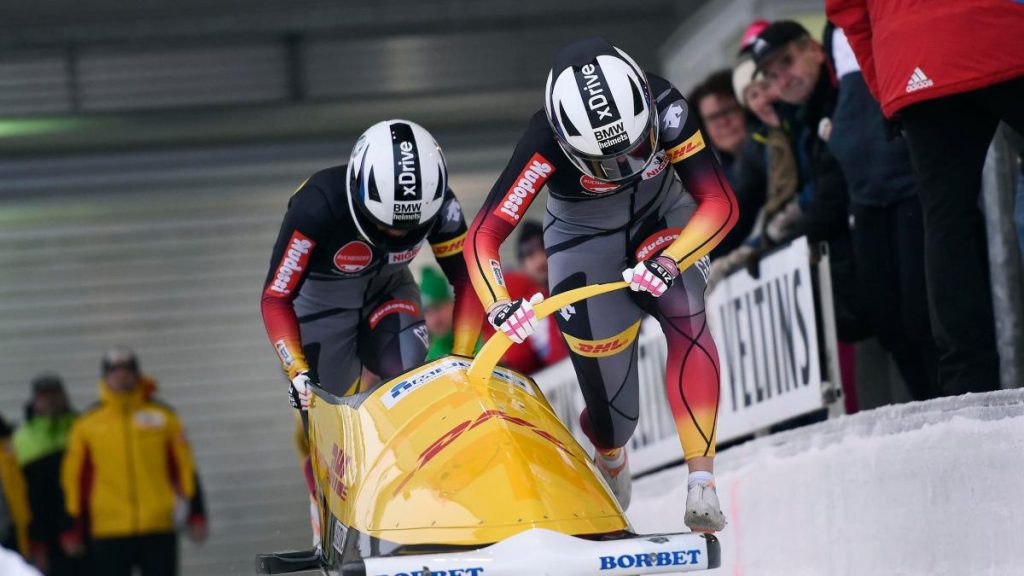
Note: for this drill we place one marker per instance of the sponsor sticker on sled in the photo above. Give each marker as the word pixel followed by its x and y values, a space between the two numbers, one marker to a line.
pixel 514 380
pixel 338 537
pixel 336 472
pixel 651 560
pixel 449 572
pixel 401 390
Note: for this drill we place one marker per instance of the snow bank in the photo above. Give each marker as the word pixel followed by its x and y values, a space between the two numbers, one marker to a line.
pixel 930 488
pixel 11 564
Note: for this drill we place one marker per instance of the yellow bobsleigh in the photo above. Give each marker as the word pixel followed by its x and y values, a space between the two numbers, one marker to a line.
pixel 460 468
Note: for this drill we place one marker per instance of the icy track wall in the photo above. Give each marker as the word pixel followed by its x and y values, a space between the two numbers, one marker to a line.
pixel 924 489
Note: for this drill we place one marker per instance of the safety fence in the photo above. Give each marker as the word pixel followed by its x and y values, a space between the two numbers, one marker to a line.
pixel 776 347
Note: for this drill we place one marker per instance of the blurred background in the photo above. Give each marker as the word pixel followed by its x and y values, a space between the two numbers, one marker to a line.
pixel 148 149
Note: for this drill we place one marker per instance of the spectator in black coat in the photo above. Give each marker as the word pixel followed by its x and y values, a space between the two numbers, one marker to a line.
pixel 39 445
pixel 887 224
pixel 798 69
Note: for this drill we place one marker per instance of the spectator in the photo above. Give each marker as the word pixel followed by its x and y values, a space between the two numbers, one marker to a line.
pixel 438 311
pixel 14 511
pixel 796 66
pixel 767 163
pixel 748 175
pixel 533 261
pixel 721 115
pixel 949 73
pixel 40 444
pixel 127 462
pixel 726 125
pixel 887 231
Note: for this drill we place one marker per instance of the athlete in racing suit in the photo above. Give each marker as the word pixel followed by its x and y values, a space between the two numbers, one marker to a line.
pixel 339 294
pixel 646 202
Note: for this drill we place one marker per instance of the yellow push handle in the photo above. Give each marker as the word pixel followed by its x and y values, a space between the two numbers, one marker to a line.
pixel 494 349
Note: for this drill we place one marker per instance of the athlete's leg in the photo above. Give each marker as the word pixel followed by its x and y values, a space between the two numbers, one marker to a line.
pixel 692 371
pixel 329 344
pixel 601 335
pixel 691 383
pixel 393 336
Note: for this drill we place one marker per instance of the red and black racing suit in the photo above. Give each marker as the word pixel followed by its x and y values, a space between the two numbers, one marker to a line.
pixel 333 302
pixel 593 231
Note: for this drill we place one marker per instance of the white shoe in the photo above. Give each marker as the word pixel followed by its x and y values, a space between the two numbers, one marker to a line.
pixel 615 471
pixel 703 512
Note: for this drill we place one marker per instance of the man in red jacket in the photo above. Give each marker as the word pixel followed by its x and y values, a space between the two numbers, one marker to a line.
pixel 951 70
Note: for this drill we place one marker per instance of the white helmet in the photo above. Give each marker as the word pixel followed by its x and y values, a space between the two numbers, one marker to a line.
pixel 601 110
pixel 397 177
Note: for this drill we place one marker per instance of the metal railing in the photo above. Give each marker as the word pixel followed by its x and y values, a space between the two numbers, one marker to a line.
pixel 999 186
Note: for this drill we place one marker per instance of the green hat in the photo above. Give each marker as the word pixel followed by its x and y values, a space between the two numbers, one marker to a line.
pixel 434 288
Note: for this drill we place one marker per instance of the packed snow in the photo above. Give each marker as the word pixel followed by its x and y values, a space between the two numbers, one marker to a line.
pixel 929 488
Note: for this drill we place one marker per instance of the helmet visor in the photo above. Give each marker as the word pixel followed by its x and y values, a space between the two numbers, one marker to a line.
pixel 621 166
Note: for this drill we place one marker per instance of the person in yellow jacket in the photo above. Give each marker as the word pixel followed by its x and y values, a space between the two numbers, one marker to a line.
pixel 126 464
pixel 14 510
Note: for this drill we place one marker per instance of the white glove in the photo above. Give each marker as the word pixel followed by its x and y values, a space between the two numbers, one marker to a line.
pixel 516 318
pixel 652 276
pixel 300 391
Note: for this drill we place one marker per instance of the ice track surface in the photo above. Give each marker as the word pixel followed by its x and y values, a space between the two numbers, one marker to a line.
pixel 929 488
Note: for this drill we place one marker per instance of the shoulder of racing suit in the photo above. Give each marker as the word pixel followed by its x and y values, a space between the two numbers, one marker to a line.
pixel 320 214
pixel 539 148
pixel 677 133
